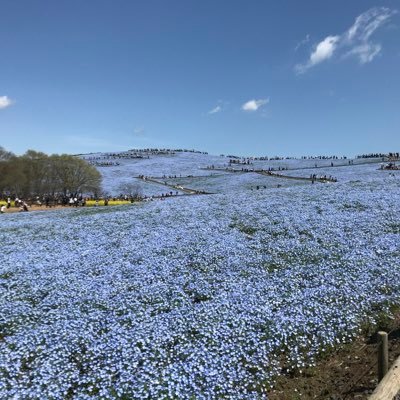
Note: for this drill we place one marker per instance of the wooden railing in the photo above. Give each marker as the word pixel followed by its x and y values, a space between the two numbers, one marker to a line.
pixel 389 385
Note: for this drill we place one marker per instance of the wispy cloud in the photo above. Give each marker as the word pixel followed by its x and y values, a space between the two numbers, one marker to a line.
pixel 365 52
pixel 254 105
pixel 215 110
pixel 367 23
pixel 221 105
pixel 355 42
pixel 302 42
pixel 5 102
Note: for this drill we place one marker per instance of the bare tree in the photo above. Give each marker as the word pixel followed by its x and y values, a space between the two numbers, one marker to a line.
pixel 36 173
pixel 74 175
pixel 131 189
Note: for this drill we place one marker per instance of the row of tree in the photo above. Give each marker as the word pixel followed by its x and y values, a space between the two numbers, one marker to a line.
pixel 38 174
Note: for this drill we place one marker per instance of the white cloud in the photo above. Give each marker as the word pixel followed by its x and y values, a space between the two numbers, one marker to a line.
pixel 221 105
pixel 365 52
pixel 302 42
pixel 254 105
pixel 354 42
pixel 215 110
pixel 5 102
pixel 324 50
pixel 368 22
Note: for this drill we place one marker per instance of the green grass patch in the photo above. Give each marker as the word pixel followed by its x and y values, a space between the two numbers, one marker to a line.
pixel 244 228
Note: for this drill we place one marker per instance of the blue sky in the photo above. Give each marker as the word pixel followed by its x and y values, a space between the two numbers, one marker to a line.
pixel 244 77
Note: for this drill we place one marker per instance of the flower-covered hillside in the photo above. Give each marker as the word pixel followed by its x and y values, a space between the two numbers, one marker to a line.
pixel 197 297
pixel 194 170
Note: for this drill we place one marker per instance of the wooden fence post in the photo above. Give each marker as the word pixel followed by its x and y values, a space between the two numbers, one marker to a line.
pixel 383 358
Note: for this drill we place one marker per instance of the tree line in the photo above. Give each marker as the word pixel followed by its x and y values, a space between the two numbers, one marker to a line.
pixel 37 174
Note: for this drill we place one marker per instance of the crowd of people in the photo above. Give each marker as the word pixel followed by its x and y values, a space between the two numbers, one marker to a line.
pixel 391 155
pixel 104 163
pixel 135 153
pixel 315 177
pixel 18 203
pixel 49 201
pixel 161 151
pixel 331 157
pixel 242 161
pixel 390 166
pixel 104 158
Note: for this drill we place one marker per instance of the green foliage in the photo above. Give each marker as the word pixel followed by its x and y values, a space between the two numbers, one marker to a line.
pixel 383 318
pixel 5 155
pixel 244 228
pixel 356 206
pixel 393 227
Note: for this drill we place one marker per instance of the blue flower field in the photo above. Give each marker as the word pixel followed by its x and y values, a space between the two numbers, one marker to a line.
pixel 195 297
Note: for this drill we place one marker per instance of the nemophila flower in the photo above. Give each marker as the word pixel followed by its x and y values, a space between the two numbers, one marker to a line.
pixel 197 298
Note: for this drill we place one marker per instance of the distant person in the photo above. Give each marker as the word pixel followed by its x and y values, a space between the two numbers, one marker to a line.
pixel 24 206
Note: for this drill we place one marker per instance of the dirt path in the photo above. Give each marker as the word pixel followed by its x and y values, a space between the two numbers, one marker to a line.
pixel 175 187
pixel 347 374
pixel 274 174
pixel 230 169
pixel 13 210
pixel 298 178
pixel 36 208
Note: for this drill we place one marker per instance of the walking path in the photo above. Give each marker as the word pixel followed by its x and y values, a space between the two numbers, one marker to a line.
pixel 298 178
pixel 177 177
pixel 275 174
pixel 371 161
pixel 36 208
pixel 175 187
